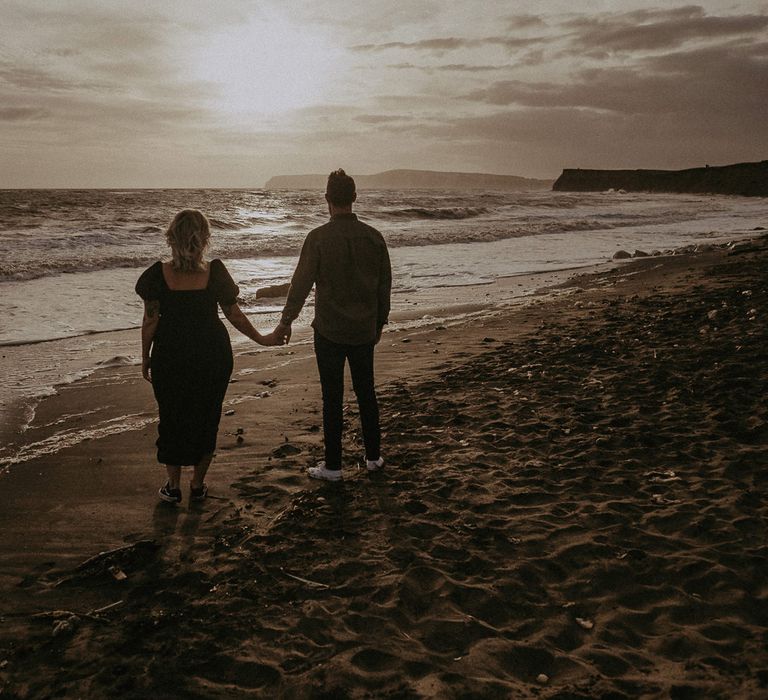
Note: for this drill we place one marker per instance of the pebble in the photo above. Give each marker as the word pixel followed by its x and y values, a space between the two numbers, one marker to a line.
pixel 230 412
pixel 586 624
pixel 542 678
pixel 117 573
pixel 67 626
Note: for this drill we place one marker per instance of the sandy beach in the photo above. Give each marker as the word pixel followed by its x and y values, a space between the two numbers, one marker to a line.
pixel 574 506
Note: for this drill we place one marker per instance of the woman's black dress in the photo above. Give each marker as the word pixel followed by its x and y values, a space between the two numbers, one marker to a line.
pixel 191 362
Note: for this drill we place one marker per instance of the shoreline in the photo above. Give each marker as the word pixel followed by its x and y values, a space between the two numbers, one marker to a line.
pixel 119 347
pixel 67 451
pixel 573 490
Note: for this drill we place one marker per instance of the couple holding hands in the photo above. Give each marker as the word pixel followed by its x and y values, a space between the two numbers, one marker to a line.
pixel 186 352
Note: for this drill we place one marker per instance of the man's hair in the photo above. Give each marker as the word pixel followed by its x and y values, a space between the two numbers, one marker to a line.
pixel 340 189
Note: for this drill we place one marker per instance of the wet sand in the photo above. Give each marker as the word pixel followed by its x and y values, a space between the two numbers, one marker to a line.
pixel 574 506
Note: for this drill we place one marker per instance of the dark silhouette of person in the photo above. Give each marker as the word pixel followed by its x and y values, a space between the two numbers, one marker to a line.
pixel 348 263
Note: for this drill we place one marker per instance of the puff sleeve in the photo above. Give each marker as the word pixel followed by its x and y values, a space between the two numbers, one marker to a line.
pixel 222 285
pixel 149 284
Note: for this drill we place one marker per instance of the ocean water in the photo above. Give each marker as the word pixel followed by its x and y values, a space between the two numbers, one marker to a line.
pixel 71 257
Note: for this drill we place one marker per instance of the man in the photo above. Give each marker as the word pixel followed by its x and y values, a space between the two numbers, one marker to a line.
pixel 348 263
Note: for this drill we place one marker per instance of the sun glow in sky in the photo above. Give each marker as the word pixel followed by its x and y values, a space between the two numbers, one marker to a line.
pixel 135 93
pixel 267 66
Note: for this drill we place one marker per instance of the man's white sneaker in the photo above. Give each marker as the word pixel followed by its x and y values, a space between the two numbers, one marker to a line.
pixel 320 472
pixel 373 465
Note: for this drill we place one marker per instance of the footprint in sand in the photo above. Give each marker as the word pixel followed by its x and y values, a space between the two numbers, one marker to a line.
pixel 286 450
pixel 375 661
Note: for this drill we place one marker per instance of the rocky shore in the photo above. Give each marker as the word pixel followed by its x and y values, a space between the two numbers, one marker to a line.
pixel 746 179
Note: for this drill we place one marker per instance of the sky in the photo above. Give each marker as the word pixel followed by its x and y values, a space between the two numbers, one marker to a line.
pixel 189 93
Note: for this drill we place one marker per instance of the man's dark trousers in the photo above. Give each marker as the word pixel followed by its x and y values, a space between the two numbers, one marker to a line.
pixel 331 358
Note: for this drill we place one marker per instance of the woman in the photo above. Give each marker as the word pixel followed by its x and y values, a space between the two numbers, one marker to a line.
pixel 186 353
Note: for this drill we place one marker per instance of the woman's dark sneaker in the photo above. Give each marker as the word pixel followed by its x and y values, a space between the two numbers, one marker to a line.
pixel 198 494
pixel 169 495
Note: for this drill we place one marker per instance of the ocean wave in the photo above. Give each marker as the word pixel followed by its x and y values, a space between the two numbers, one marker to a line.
pixel 42 266
pixel 21 271
pixel 226 225
pixel 495 231
pixel 89 258
pixel 46 233
pixel 447 213
pixel 118 361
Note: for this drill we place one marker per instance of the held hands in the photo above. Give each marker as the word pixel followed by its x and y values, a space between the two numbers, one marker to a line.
pixel 280 336
pixel 269 340
pixel 282 333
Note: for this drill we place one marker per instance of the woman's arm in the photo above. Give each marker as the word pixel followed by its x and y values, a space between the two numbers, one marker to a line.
pixel 148 329
pixel 239 320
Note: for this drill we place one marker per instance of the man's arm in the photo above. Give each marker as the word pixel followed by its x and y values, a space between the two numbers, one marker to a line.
pixel 385 291
pixel 304 277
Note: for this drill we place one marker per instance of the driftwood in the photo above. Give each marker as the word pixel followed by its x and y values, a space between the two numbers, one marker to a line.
pixel 110 556
pixel 114 562
pixel 58 615
pixel 106 608
pixel 314 584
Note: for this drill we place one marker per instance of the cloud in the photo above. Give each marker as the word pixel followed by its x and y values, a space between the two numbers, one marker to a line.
pixel 525 21
pixel 22 114
pixel 102 51
pixel 453 43
pixel 457 67
pixel 520 89
pixel 671 109
pixel 377 118
pixel 427 44
pixel 465 68
pixel 363 17
pixel 694 83
pixel 658 29
pixel 63 53
pixel 573 137
pixel 35 79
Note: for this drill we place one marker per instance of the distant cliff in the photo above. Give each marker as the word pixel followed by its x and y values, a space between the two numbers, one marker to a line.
pixel 414 179
pixel 747 179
